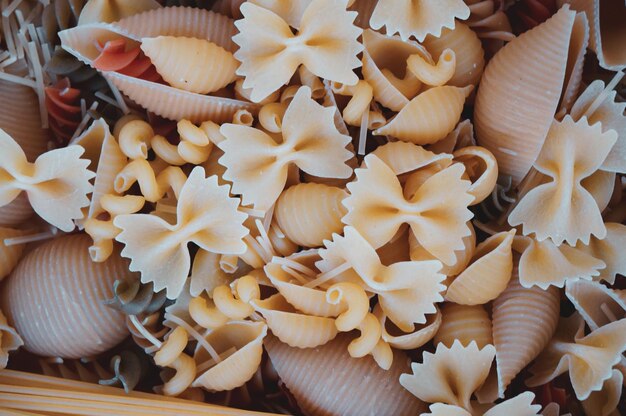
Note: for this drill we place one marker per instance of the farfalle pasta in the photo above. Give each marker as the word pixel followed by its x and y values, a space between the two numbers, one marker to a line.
pixel 270 53
pixel 281 207
pixel 418 20
pixel 59 175
pixel 377 191
pixel 320 151
pixel 572 152
pixel 218 229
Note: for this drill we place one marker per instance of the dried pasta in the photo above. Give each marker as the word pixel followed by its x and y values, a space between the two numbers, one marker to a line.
pixel 9 341
pixel 57 183
pixel 378 192
pixel 488 274
pixel 429 117
pixel 570 350
pixel 466 324
pixel 207 215
pixel 418 20
pixel 196 56
pixel 568 156
pixel 325 158
pixel 450 375
pixel 269 60
pixel 310 213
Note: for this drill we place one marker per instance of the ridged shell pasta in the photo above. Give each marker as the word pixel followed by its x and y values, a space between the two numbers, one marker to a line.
pixel 161 99
pixel 489 273
pixel 429 117
pixel 71 320
pixel 523 323
pixel 247 340
pixel 293 328
pixel 531 65
pixel 315 375
pixel 310 213
pixel 185 62
pixel 465 323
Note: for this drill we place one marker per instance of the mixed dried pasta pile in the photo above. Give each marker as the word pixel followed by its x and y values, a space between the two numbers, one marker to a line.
pixel 315 207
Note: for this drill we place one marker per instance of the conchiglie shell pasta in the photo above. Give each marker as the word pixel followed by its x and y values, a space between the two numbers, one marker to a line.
pixel 70 319
pixel 468 51
pixel 524 320
pixel 327 381
pixel 293 328
pixel 194 65
pixel 429 117
pixel 309 213
pixel 403 157
pixel 489 273
pixel 308 300
pixel 247 339
pixel 9 255
pixel 465 323
pixel 164 100
pixel 384 68
pixel 533 68
pixel 408 341
pixel 606 19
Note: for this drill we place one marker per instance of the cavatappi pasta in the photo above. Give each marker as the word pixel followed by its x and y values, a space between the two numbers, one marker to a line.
pixel 312 207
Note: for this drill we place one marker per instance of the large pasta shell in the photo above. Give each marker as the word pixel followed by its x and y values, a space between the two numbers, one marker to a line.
pixel 247 339
pixel 107 160
pixel 9 255
pixel 466 324
pixel 608 37
pixel 524 321
pixel 293 328
pixel 488 275
pixel 531 69
pixel 309 213
pixel 468 50
pixel 308 300
pixel 54 298
pixel 327 381
pixel 190 64
pixel 429 117
pixel 164 100
pixel 384 68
